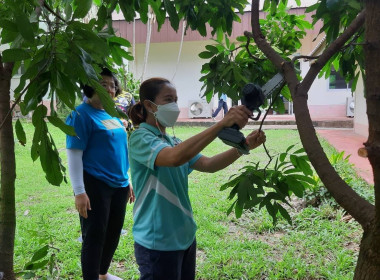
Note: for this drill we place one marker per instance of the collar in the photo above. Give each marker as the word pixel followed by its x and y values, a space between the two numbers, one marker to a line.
pixel 157 132
pixel 151 128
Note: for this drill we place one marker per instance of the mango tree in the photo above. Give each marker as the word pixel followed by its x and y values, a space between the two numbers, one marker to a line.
pixel 352 48
pixel 59 44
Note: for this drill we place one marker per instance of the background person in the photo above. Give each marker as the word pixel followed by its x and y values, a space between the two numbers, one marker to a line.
pixel 125 101
pixel 222 104
pixel 98 166
pixel 164 227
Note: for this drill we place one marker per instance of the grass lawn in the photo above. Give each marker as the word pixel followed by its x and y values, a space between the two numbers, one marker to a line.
pixel 319 244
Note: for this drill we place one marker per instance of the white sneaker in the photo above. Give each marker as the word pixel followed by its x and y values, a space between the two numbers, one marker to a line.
pixel 112 277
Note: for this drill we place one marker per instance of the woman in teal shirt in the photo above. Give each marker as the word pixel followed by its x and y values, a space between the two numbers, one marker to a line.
pixel 164 228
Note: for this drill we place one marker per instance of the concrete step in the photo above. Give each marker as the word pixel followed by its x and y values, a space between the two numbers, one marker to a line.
pixel 347 123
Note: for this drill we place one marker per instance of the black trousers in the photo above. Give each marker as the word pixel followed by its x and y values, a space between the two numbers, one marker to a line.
pixel 166 265
pixel 101 230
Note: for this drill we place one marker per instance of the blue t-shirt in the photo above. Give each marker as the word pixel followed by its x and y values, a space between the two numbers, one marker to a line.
pixel 162 213
pixel 103 140
pixel 223 97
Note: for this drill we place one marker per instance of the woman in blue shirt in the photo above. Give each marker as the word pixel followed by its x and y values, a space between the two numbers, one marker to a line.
pixel 98 166
pixel 164 228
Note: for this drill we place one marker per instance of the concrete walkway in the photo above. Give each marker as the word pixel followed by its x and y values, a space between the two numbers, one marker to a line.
pixel 337 131
pixel 349 142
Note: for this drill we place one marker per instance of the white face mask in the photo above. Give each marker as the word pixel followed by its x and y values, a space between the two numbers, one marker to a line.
pixel 167 114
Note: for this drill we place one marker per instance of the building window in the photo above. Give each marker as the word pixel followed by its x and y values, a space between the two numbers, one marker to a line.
pixel 336 81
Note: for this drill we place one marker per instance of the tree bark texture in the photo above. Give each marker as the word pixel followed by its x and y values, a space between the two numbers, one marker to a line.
pixel 8 176
pixel 368 265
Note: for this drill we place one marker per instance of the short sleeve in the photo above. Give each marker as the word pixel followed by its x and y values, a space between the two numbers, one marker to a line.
pixel 144 147
pixel 192 161
pixel 82 125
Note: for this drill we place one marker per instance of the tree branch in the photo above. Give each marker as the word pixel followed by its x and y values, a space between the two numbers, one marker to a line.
pixel 259 38
pixel 331 50
pixel 47 7
pixel 359 208
pixel 249 36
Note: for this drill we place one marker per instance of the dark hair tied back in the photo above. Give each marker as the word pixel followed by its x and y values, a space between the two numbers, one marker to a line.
pixel 149 89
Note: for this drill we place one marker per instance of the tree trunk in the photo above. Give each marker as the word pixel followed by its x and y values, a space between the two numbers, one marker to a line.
pixel 368 265
pixel 8 176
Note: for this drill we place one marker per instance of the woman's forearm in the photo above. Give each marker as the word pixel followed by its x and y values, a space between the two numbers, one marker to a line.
pixel 186 150
pixel 217 162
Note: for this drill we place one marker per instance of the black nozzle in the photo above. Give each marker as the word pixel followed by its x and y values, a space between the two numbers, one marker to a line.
pixel 252 97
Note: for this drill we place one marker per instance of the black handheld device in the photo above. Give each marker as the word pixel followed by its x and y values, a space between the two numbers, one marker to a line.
pixel 253 97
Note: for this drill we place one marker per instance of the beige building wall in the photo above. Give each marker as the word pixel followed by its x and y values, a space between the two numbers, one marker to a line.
pixel 162 62
pixel 361 119
pixel 322 101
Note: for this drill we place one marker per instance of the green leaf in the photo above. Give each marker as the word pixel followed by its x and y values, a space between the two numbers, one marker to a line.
pixel 354 4
pixel 219 34
pixel 102 17
pixel 120 41
pixel 272 210
pixel 29 275
pixel 302 150
pixel 206 55
pixel 305 166
pixel 57 122
pixel 296 187
pixel 252 203
pixel 312 8
pixel 35 266
pixel 173 16
pixel 50 161
pixel 333 5
pixel 284 213
pixel 307 179
pixel 12 55
pixel 231 208
pixel 24 26
pixel 212 49
pixel 82 8
pixel 129 13
pixel 8 36
pixel 107 102
pixel 9 25
pixel 20 133
pixel 68 10
pixel 289 148
pixel 116 55
pixel 242 190
pixel 283 156
pixel 40 253
pixel 238 210
pixel 88 68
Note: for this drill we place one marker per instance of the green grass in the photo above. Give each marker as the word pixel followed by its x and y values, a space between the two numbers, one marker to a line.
pixel 318 245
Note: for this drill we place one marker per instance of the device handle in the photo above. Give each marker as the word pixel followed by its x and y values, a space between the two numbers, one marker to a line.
pixel 235 126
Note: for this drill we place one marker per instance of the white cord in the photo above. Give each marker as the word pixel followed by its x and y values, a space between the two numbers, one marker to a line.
pixel 147 44
pixel 180 48
pixel 133 70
